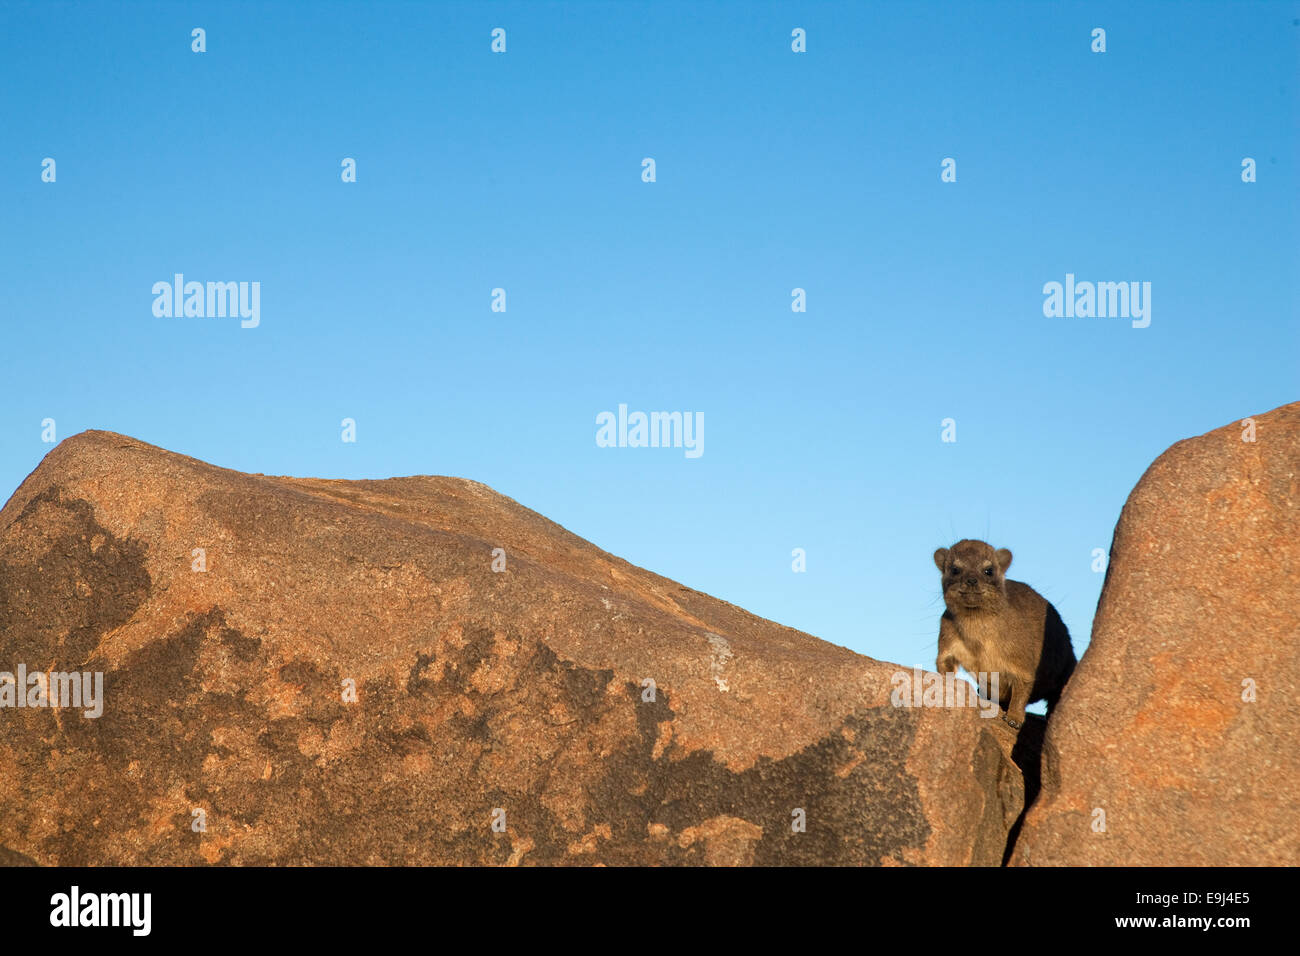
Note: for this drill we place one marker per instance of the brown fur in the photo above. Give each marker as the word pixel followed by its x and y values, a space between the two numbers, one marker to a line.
pixel 993 625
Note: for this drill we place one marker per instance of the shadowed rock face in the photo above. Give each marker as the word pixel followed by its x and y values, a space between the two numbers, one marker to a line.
pixel 1202 594
pixel 520 690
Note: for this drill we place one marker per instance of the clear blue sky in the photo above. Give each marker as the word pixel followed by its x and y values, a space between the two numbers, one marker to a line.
pixel 775 170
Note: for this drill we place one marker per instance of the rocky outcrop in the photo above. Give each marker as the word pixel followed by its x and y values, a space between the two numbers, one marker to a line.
pixel 544 703
pixel 1178 739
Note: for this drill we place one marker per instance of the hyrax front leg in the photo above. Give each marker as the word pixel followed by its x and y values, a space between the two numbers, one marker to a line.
pixel 949 641
pixel 1015 715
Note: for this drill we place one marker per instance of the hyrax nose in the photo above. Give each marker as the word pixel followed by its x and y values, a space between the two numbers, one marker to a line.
pixel 971 581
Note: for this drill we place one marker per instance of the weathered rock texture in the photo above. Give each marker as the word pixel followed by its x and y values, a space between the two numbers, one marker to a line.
pixel 520 690
pixel 1201 601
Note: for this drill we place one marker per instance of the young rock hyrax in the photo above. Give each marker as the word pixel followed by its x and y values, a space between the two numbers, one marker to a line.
pixel 996 626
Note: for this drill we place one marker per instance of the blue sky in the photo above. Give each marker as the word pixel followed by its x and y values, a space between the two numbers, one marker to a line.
pixel 775 170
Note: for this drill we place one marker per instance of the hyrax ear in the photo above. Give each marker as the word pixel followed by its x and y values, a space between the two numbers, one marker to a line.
pixel 1004 559
pixel 941 558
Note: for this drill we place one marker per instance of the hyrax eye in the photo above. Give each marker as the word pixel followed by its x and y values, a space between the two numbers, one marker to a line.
pixel 988 572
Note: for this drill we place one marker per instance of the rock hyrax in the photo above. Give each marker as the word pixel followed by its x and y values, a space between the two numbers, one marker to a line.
pixel 996 626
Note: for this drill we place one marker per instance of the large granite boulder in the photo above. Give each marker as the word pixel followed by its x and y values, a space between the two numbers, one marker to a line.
pixel 503 711
pixel 1177 741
